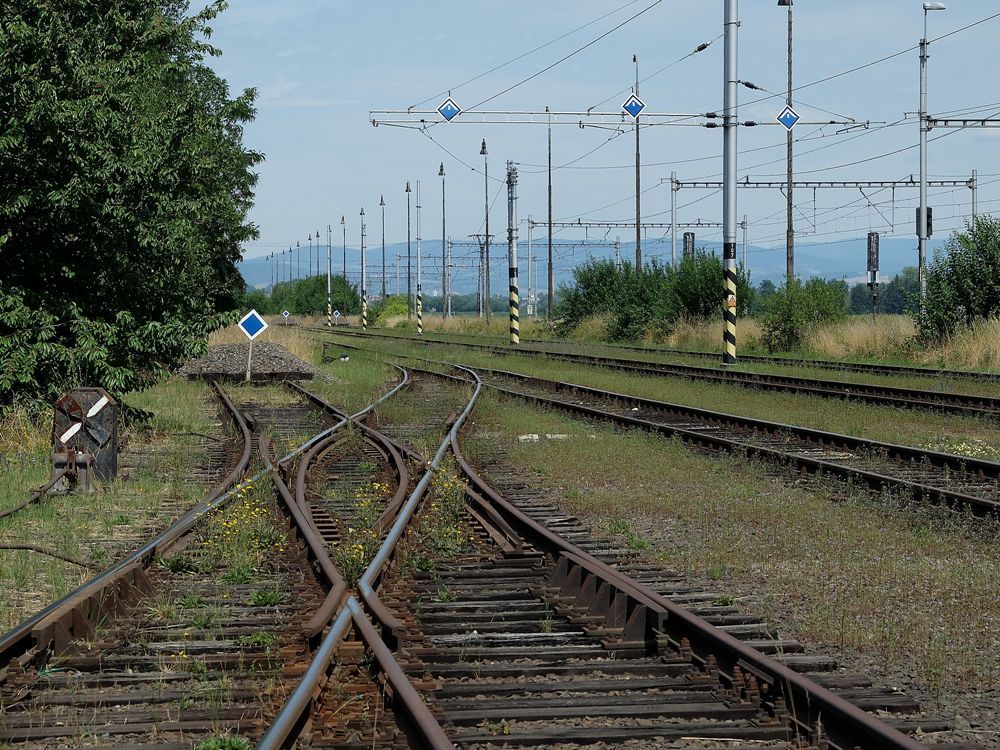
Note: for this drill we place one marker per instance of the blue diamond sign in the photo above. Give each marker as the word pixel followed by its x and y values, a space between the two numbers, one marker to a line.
pixel 449 110
pixel 285 314
pixel 253 325
pixel 634 105
pixel 788 118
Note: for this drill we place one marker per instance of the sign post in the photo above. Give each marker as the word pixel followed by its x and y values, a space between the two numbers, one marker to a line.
pixel 253 325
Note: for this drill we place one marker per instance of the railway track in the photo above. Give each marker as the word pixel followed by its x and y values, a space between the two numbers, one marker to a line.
pixel 518 637
pixel 822 364
pixel 203 632
pixel 924 474
pixel 883 395
pixel 515 628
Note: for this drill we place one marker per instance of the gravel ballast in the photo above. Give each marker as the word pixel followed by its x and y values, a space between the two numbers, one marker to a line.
pixel 229 362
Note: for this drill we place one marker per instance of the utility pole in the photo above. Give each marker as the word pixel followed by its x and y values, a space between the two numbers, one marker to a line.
pixel 729 177
pixel 309 265
pixel 420 299
pixel 673 219
pixel 638 212
pixel 409 258
pixel 329 276
pixel 448 298
pixel 444 262
pixel 531 296
pixel 551 284
pixel 298 261
pixel 347 287
pixel 317 252
pixel 925 126
pixel 381 203
pixel 515 323
pixel 789 141
pixel 486 274
pixel 364 278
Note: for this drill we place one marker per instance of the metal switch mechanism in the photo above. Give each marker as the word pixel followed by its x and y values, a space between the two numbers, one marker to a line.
pixel 85 439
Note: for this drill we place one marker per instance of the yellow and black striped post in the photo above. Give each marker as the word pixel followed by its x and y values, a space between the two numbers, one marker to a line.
pixel 364 310
pixel 729 335
pixel 420 312
pixel 515 321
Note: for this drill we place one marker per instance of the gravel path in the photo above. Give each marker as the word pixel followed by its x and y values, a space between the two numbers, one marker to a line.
pixel 229 362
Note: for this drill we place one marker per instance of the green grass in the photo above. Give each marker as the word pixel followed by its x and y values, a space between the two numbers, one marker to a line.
pixel 913 587
pixel 962 434
pixel 354 384
pixel 112 520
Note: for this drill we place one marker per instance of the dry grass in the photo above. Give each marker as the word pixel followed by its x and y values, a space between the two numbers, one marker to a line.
pixel 976 348
pixel 882 338
pixel 23 433
pixel 864 337
pixel 913 589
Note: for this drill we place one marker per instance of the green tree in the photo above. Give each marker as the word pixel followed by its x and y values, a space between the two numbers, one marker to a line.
pixel 963 280
pixel 125 192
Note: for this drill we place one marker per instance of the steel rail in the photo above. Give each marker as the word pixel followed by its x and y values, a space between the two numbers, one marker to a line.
pixel 946 461
pixel 807 703
pixel 411 712
pixel 59 621
pixel 882 395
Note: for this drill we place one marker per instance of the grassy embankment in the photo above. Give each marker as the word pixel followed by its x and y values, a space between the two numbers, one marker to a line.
pixel 913 588
pixel 974 437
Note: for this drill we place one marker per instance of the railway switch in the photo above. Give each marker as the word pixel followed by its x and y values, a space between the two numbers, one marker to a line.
pixel 85 437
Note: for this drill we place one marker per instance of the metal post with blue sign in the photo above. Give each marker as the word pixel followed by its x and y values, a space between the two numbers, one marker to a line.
pixel 253 325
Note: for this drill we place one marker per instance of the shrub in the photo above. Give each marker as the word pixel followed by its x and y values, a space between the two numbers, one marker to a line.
pixel 796 307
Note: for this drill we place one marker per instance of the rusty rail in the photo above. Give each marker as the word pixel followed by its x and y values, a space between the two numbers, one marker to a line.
pixel 411 713
pixel 647 615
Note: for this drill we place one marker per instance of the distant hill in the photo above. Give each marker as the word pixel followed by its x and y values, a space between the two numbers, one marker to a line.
pixel 841 260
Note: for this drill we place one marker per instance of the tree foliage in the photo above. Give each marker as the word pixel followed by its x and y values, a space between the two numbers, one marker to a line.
pixel 650 302
pixel 305 297
pixel 124 193
pixel 963 280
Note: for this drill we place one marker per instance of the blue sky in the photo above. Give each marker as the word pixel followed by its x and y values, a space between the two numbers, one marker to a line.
pixel 321 65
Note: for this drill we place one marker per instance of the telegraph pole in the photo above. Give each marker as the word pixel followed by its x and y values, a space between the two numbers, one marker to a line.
pixel 329 276
pixel 531 297
pixel 729 174
pixel 381 203
pixel 673 219
pixel 444 261
pixel 309 265
pixel 515 324
pixel 420 299
pixel 409 258
pixel 638 212
pixel 790 206
pixel 364 278
pixel 347 287
pixel 486 274
pixel 551 284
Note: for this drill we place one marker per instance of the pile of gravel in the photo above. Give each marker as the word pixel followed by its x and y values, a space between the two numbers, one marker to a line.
pixel 229 362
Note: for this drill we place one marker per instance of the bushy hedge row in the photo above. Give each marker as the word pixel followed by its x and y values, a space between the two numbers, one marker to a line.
pixel 651 302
